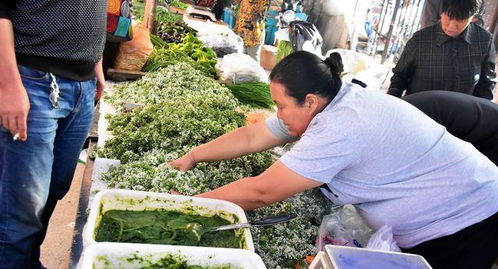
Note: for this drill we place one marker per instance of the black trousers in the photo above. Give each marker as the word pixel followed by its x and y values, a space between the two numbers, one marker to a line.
pixel 475 247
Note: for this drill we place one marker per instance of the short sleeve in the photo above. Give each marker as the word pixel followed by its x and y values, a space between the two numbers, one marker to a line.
pixel 322 153
pixel 5 7
pixel 278 128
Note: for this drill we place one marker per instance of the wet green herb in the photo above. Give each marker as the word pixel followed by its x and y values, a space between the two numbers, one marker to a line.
pixel 164 227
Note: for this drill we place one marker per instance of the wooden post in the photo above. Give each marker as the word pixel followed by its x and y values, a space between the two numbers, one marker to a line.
pixel 149 14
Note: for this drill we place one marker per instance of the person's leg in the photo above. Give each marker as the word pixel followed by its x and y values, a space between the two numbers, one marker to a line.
pixel 255 52
pixel 40 236
pixel 25 169
pixel 71 134
pixel 473 247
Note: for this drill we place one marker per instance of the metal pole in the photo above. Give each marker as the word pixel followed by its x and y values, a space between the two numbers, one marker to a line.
pixel 390 33
pixel 378 31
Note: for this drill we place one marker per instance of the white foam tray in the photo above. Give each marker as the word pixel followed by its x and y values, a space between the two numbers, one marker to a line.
pixel 116 253
pixel 123 200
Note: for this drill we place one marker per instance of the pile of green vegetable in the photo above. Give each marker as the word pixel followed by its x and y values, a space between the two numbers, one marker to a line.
pixel 174 32
pixel 178 4
pixel 254 94
pixel 191 51
pixel 182 108
pixel 284 48
pixel 170 26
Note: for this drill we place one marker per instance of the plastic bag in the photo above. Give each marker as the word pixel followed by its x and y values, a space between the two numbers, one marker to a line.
pixel 222 43
pixel 383 239
pixel 133 55
pixel 238 67
pixel 344 227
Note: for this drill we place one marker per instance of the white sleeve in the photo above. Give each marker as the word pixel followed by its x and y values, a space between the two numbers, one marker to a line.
pixel 278 128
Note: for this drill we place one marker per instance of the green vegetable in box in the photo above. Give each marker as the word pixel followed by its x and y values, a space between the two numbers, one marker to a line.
pixel 279 245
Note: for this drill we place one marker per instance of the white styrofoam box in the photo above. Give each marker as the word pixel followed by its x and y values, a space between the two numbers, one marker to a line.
pixel 140 200
pixel 363 258
pixel 114 255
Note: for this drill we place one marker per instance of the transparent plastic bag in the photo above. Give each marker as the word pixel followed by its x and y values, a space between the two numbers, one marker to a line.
pixel 238 67
pixel 222 43
pixel 383 239
pixel 133 55
pixel 344 227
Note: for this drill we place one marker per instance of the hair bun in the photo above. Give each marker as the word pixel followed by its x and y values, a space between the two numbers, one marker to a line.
pixel 334 61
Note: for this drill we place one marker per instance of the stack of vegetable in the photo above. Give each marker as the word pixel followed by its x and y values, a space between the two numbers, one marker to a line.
pixel 191 51
pixel 170 27
pixel 284 48
pixel 178 4
pixel 254 94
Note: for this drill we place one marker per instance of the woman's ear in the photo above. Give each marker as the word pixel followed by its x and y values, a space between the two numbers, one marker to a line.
pixel 311 102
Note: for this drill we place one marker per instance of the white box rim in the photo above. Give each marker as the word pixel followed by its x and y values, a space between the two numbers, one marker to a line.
pixel 125 249
pixel 89 235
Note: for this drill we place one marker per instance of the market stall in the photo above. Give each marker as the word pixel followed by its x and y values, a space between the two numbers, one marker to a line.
pixel 195 85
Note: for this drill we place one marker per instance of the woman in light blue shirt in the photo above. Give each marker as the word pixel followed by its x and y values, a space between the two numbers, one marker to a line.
pixel 372 150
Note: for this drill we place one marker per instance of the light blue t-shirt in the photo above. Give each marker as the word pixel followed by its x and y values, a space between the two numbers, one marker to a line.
pixel 395 164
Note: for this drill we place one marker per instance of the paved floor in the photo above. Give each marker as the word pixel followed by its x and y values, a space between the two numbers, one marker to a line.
pixel 56 250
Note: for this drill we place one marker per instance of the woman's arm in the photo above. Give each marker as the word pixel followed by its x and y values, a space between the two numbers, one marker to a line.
pixel 276 184
pixel 242 141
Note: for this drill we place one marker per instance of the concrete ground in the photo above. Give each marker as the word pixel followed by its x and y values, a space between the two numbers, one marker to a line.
pixel 56 250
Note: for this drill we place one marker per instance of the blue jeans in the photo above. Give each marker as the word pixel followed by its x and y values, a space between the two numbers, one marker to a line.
pixel 36 173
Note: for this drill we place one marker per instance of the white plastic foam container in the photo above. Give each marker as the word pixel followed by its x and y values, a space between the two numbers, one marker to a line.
pixel 115 199
pixel 121 255
pixel 363 258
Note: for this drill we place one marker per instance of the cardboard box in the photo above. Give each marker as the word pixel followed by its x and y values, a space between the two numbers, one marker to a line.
pixel 268 57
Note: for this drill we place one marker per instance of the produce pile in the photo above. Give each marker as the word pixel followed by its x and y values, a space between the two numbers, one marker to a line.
pixel 170 27
pixel 284 48
pixel 178 4
pixel 254 94
pixel 191 50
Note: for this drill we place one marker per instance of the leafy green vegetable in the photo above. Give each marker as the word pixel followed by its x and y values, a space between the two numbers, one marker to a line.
pixel 178 80
pixel 157 42
pixel 163 16
pixel 254 94
pixel 174 32
pixel 191 51
pixel 284 48
pixel 178 4
pixel 149 261
pixel 165 227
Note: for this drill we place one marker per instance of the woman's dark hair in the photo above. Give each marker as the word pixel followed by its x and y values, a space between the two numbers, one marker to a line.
pixel 460 9
pixel 302 73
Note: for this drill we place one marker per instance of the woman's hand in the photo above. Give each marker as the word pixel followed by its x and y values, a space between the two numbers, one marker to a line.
pixel 184 163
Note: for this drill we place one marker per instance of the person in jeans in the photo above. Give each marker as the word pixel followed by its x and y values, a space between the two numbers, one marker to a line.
pixel 452 55
pixel 50 76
